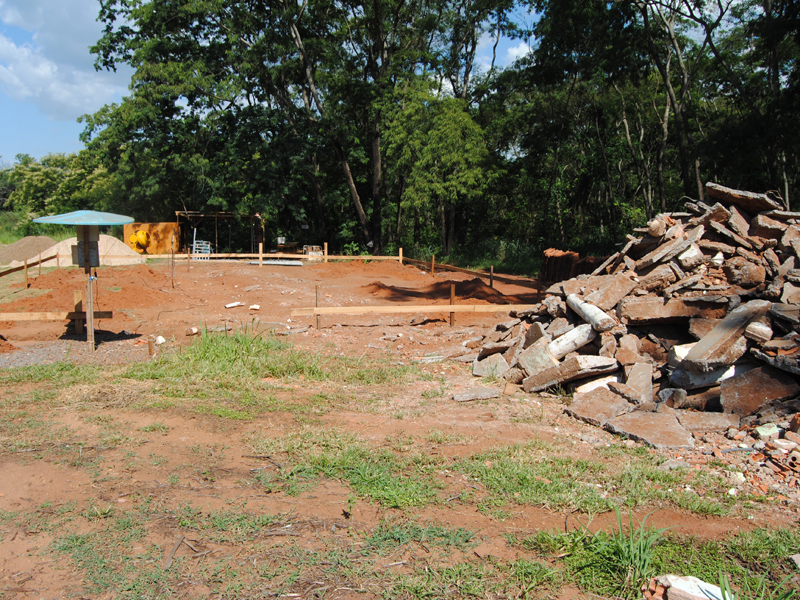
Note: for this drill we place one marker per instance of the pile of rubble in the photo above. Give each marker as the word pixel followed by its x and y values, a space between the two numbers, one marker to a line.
pixel 693 326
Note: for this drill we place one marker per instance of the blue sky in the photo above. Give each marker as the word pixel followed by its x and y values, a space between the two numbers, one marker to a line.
pixel 48 80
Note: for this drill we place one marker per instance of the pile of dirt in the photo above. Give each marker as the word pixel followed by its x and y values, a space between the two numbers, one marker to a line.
pixel 473 291
pixel 113 252
pixel 6 347
pixel 25 249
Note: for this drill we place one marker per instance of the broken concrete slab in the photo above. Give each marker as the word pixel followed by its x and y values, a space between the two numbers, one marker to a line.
pixel 611 292
pixel 671 249
pixel 479 393
pixel 744 394
pixel 640 378
pixel 692 257
pixel 689 380
pixel 700 328
pixel 559 327
pixel 495 348
pixel 652 309
pixel 659 430
pixel 535 332
pixel 593 384
pixel 739 222
pixel 627 392
pixel 767 228
pixel 536 357
pixel 725 232
pixel 597 406
pixel 659 278
pixel 791 294
pixel 709 352
pixel 784 363
pixel 716 213
pixel 748 201
pixel 573 368
pixel 742 272
pixel 492 366
pixel 706 421
pixel 757 332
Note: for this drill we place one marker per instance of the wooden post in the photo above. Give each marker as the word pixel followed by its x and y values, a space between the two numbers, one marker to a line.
pixel 452 301
pixel 491 276
pixel 401 256
pixel 260 254
pixel 25 265
pixel 433 263
pixel 325 248
pixel 58 260
pixel 78 323
pixel 87 265
pixel 318 316
pixel 40 264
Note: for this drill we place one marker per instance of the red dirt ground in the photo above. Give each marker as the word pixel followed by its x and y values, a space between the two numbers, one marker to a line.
pixel 148 300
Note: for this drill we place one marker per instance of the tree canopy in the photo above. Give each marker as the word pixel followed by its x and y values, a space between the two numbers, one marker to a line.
pixel 384 124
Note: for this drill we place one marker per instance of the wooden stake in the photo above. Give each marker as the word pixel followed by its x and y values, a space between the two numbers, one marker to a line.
pixel 433 263
pixel 87 265
pixel 325 248
pixel 25 263
pixel 491 276
pixel 78 323
pixel 318 316
pixel 260 254
pixel 452 302
pixel 40 265
pixel 58 260
pixel 401 256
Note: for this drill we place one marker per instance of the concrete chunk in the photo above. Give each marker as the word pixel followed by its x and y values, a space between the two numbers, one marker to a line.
pixel 535 332
pixel 739 223
pixel 710 351
pixel 592 384
pixel 495 348
pixel 559 327
pixel 651 309
pixel 689 380
pixel 536 357
pixel 492 366
pixel 660 277
pixel 480 393
pixel 597 406
pixel 659 430
pixel 640 378
pixel 742 272
pixel 724 231
pixel 743 395
pixel 671 249
pixel 760 333
pixel 611 292
pixel 748 201
pixel 767 228
pixel 706 421
pixel 575 367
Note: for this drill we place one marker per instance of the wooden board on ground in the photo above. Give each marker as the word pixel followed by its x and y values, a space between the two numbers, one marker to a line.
pixel 53 316
pixel 396 309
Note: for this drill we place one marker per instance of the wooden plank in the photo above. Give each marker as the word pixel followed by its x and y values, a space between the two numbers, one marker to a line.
pixel 401 308
pixel 53 316
pixel 22 266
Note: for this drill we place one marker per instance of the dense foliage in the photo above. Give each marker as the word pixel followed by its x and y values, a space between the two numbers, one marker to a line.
pixel 371 124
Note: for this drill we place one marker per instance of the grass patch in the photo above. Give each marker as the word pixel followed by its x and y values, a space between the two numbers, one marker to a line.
pixel 614 564
pixel 387 537
pixel 395 481
pixel 541 474
pixel 237 366
pixel 60 374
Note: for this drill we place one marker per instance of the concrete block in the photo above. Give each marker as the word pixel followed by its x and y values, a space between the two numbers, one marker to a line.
pixel 744 394
pixel 767 228
pixel 611 292
pixel 597 406
pixel 659 430
pixel 492 366
pixel 480 393
pixel 573 368
pixel 640 378
pixel 768 432
pixel 653 309
pixel 706 421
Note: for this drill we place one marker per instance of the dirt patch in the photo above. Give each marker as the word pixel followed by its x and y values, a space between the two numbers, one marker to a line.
pixel 26 248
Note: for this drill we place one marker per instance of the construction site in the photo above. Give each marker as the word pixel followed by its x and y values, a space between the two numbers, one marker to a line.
pixel 360 410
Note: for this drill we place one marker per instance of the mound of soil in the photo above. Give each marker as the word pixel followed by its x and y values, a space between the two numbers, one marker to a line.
pixel 472 290
pixel 5 347
pixel 26 248
pixel 112 252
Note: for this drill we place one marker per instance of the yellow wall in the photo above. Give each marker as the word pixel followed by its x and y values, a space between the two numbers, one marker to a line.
pixel 160 236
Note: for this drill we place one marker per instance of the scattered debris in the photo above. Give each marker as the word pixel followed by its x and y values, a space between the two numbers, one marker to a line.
pixel 481 393
pixel 691 328
pixel 234 304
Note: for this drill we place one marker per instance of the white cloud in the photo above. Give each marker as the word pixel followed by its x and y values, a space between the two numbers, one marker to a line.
pixel 56 71
pixel 517 52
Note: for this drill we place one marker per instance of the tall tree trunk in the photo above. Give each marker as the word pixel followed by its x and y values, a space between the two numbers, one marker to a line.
pixel 320 205
pixel 351 184
pixel 376 188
